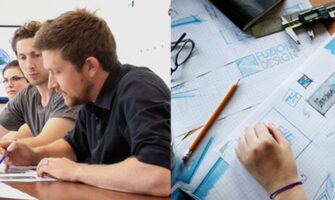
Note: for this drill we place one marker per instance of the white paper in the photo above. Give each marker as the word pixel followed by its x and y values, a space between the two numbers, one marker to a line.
pixel 302 107
pixel 21 174
pixel 12 193
pixel 261 64
pixel 219 42
pixel 190 175
pixel 190 16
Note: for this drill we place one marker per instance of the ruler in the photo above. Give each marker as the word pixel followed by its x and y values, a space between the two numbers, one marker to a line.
pixel 305 18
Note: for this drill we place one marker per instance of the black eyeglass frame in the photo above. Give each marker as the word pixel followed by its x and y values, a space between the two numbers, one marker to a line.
pixel 175 44
pixel 13 79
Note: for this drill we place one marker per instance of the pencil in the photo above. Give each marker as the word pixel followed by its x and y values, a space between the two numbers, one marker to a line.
pixel 210 121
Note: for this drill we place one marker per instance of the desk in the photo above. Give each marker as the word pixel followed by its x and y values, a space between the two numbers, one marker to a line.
pixel 202 175
pixel 61 190
pixel 330 26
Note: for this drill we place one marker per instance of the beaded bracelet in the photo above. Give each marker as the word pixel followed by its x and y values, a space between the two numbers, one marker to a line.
pixel 284 188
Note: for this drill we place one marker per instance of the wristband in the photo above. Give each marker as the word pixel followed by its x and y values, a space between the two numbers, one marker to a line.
pixel 284 188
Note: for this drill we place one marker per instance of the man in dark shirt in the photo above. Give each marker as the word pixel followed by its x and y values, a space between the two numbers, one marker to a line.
pixel 124 124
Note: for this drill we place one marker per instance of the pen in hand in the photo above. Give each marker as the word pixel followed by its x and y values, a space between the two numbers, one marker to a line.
pixel 6 153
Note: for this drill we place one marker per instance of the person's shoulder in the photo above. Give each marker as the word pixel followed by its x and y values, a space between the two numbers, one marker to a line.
pixel 26 92
pixel 137 71
pixel 56 96
pixel 143 80
pixel 29 89
pixel 141 75
pixel 56 99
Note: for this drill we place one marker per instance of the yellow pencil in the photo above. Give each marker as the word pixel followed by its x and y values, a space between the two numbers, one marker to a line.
pixel 210 121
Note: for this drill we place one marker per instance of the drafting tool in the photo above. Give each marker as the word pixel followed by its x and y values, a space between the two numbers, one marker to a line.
pixel 210 121
pixel 187 195
pixel 305 18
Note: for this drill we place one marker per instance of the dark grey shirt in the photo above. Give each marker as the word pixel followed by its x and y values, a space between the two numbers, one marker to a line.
pixel 26 108
pixel 131 117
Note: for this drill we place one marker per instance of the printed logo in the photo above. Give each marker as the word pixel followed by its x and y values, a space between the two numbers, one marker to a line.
pixel 265 59
pixel 304 81
pixel 248 65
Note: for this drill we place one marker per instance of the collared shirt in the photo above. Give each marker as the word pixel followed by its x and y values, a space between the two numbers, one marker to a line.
pixel 131 117
pixel 26 107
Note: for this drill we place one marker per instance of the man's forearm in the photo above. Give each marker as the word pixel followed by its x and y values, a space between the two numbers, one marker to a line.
pixel 129 175
pixel 58 148
pixel 3 131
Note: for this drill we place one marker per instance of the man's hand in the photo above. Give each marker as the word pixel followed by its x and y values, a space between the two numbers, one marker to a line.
pixel 267 155
pixel 60 168
pixel 18 154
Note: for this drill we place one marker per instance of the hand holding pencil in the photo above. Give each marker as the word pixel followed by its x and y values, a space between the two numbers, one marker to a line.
pixel 210 121
pixel 17 153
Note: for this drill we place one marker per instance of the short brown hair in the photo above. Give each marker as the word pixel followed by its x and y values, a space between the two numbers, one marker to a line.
pixel 13 63
pixel 28 30
pixel 79 34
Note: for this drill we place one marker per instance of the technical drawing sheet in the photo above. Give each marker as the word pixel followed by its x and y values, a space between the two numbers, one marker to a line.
pixel 261 64
pixel 302 107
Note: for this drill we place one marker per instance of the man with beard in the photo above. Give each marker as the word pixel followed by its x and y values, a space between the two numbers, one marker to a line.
pixel 124 124
pixel 36 110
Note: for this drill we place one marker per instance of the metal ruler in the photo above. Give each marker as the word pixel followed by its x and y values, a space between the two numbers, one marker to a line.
pixel 305 18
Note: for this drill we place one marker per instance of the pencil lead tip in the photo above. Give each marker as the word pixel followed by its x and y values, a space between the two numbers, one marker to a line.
pixel 184 158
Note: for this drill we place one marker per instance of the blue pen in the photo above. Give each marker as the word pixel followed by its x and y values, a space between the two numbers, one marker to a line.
pixel 5 154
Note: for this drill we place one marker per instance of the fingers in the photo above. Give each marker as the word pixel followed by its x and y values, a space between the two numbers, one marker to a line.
pixel 242 149
pixel 6 167
pixel 43 166
pixel 276 133
pixel 250 136
pixel 252 139
pixel 263 131
pixel 12 146
pixel 4 144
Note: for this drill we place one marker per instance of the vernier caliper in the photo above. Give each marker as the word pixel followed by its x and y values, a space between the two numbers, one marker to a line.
pixel 305 18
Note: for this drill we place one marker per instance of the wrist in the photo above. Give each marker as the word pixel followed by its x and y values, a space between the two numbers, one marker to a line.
pixel 295 192
pixel 37 155
pixel 280 182
pixel 286 190
pixel 77 172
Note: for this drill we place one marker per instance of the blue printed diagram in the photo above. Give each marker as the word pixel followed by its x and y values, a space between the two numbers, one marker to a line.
pixel 218 169
pixel 210 10
pixel 248 65
pixel 324 97
pixel 176 92
pixel 297 139
pixel 240 35
pixel 292 97
pixel 4 58
pixel 326 190
pixel 193 19
pixel 331 46
pixel 292 9
pixel 184 172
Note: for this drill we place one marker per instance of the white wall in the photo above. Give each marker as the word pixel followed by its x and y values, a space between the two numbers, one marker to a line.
pixel 142 31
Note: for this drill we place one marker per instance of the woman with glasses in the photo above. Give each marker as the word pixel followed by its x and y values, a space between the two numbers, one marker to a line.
pixel 13 79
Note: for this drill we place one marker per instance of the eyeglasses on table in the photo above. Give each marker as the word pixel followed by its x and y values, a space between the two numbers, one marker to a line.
pixel 184 49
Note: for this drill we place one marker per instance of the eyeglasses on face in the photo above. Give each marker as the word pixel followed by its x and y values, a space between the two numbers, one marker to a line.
pixel 13 79
pixel 185 48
